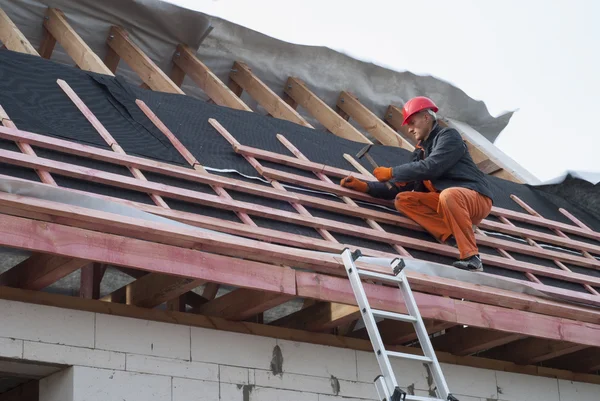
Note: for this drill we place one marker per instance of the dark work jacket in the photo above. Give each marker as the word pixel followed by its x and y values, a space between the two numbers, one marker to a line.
pixel 444 160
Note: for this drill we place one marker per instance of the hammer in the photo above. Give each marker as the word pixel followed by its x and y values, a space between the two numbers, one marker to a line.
pixel 365 152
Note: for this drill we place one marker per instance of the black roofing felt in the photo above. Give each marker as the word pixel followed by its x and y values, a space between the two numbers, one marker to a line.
pixel 34 101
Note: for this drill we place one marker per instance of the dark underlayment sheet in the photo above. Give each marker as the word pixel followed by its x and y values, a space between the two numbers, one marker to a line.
pixel 33 100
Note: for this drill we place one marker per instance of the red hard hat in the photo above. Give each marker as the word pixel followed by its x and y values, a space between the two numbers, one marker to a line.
pixel 415 105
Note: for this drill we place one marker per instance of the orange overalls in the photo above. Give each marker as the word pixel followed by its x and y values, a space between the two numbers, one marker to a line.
pixel 452 211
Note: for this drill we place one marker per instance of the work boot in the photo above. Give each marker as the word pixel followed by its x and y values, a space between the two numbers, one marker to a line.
pixel 472 264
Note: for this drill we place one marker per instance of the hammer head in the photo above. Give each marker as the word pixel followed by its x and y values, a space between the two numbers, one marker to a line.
pixel 363 151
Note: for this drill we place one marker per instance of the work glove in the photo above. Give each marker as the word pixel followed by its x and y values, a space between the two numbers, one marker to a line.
pixel 355 184
pixel 383 173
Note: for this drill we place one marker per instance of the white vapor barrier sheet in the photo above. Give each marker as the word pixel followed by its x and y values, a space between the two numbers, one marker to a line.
pixel 158 27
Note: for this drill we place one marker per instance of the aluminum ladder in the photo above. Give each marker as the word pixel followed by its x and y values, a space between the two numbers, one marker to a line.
pixel 386 384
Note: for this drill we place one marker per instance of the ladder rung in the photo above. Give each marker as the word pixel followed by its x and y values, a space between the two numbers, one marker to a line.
pixel 379 276
pixel 394 316
pixel 403 355
pixel 419 398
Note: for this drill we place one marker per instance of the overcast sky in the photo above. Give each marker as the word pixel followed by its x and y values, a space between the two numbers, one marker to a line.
pixel 537 57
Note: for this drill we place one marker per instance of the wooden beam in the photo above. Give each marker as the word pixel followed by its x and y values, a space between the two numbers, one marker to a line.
pixel 152 290
pixel 393 117
pixel 488 166
pixel 321 316
pixel 18 232
pixel 533 350
pixel 210 290
pixel 298 91
pixel 215 323
pixel 56 24
pixel 307 200
pixel 40 270
pixel 120 42
pixel 91 276
pixel 586 360
pixel 470 340
pixel 185 59
pixel 337 289
pixel 394 332
pixel 242 75
pixel 242 304
pixel 350 104
pixel 12 37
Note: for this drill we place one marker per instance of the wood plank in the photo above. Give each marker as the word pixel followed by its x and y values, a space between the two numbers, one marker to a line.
pixel 215 201
pixel 177 75
pixel 12 37
pixel 40 270
pixel 307 200
pixel 56 24
pixel 91 277
pixel 264 96
pixel 47 45
pixel 297 163
pixel 533 350
pixel 488 167
pixel 215 323
pixel 111 60
pixel 321 316
pixel 586 360
pixel 394 332
pixel 152 290
pixel 119 41
pixel 242 304
pixel 142 255
pixel 350 104
pixel 185 58
pixel 336 289
pixel 298 91
pixel 470 340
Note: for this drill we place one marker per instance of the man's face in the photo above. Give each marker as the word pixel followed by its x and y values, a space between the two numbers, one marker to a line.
pixel 419 126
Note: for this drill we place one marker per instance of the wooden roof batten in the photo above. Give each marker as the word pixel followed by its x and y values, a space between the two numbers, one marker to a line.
pixel 279 284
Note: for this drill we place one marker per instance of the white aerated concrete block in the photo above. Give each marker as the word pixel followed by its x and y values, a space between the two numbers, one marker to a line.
pixel 318 360
pixel 357 390
pixel 272 394
pixel 518 387
pixel 233 349
pixel 92 384
pixel 57 387
pixel 323 397
pixel 195 390
pixel 46 323
pixel 408 373
pixel 144 337
pixel 67 355
pixel 234 375
pixel 470 381
pixel 11 348
pixel 575 391
pixel 173 367
pixel 291 381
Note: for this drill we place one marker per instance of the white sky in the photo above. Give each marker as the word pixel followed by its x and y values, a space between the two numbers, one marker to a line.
pixel 538 57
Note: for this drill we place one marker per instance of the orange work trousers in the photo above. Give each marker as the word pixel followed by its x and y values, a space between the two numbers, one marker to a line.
pixel 450 212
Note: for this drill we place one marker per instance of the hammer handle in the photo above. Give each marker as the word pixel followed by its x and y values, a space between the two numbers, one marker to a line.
pixel 374 164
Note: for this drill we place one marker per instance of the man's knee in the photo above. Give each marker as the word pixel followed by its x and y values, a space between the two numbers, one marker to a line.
pixel 404 200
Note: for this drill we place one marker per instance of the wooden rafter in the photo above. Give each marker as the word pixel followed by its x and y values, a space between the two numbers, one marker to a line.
pixel 246 80
pixel 56 25
pixel 331 120
pixel 186 62
pixel 40 270
pixel 121 44
pixel 350 104
pixel 470 340
pixel 533 350
pixel 241 304
pixel 12 37
pixel 586 360
pixel 215 201
pixel 152 290
pixel 321 316
pixel 91 276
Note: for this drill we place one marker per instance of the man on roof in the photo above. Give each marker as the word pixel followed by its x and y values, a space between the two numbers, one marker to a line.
pixel 441 188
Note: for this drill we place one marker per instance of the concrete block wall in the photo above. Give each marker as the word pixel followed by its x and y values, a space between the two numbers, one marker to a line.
pixel 115 358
